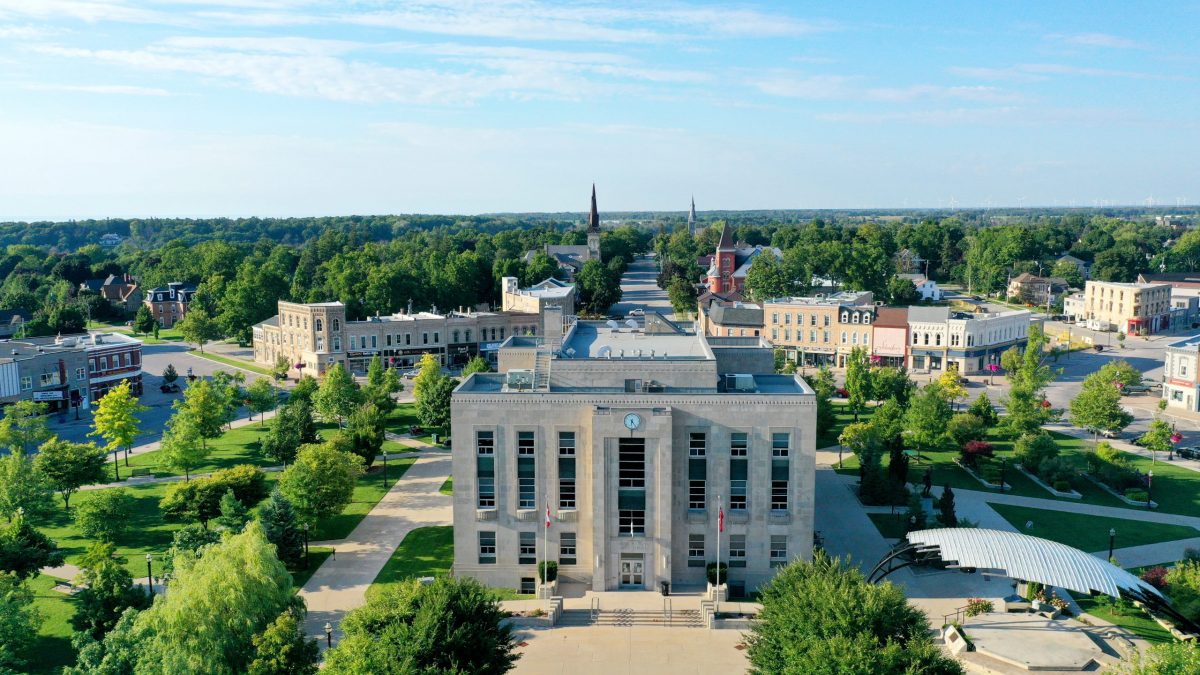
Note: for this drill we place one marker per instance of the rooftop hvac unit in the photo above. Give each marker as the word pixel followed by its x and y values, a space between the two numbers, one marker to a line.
pixel 739 382
pixel 519 379
pixel 604 352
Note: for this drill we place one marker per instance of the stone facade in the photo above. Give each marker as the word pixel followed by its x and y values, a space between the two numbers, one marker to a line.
pixel 629 437
pixel 1127 308
pixel 820 330
pixel 1181 380
pixel 69 370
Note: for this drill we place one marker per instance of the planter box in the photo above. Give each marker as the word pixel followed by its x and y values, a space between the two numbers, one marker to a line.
pixel 1066 495
pixel 972 474
pixel 548 590
pixel 528 621
pixel 733 624
pixel 1118 495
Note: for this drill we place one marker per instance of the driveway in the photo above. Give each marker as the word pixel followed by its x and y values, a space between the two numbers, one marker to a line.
pixel 639 289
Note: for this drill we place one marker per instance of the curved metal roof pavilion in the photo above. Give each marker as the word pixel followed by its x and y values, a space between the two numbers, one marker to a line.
pixel 1020 556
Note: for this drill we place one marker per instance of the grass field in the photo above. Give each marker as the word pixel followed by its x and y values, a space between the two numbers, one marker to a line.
pixel 1087 532
pixel 52 646
pixel 426 552
pixel 239 446
pixel 367 493
pixel 236 363
pixel 890 526
pixel 1135 621
pixel 447 487
pixel 830 437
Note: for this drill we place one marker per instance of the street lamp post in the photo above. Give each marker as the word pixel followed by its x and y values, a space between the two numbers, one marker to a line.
pixel 1003 463
pixel 1112 538
pixel 149 574
pixel 385 483
pixel 328 635
pixel 1149 488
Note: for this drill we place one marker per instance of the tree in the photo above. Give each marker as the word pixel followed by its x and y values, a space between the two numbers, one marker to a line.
pixel 23 426
pixel 477 364
pixel 234 514
pixel 105 514
pixel 18 621
pixel 768 278
pixel 449 626
pixel 682 295
pixel 433 407
pixel 115 655
pixel 228 387
pixel 1028 376
pixel 951 387
pixel 281 368
pixel 203 408
pixel 1168 658
pixel 1031 450
pixel 964 427
pixel 182 447
pixel 858 380
pixel 891 383
pixel 599 286
pixel 200 500
pixel 926 419
pixel 305 389
pixel 982 408
pixel 24 551
pixel 364 433
pixel 1068 272
pixel 381 384
pixel 320 482
pixel 1158 438
pixel 802 628
pixel 284 649
pixel 1120 372
pixel 106 591
pixel 428 370
pixel 24 489
pixel 338 396
pixel 946 508
pixel 262 397
pixel 144 322
pixel 279 524
pixel 1121 262
pixel 823 386
pixel 901 291
pixel 1097 406
pixel 115 420
pixel 69 466
pixel 170 374
pixel 217 603
pixel 198 327
pixel 291 427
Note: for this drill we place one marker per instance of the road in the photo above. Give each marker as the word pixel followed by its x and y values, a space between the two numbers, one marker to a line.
pixel 155 359
pixel 639 290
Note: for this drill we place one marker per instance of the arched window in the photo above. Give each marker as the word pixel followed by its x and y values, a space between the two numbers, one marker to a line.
pixel 317 325
pixel 937 339
pixel 337 325
pixel 845 317
pixel 927 338
pixel 843 337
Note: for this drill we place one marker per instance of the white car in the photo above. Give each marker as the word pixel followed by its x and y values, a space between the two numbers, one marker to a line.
pixel 637 312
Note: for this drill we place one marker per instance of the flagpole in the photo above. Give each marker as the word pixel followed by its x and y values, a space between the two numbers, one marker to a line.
pixel 717 592
pixel 546 545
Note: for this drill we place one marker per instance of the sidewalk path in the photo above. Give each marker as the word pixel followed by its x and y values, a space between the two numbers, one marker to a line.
pixel 1125 446
pixel 341 583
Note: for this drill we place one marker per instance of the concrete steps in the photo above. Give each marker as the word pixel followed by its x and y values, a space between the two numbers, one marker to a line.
pixel 624 618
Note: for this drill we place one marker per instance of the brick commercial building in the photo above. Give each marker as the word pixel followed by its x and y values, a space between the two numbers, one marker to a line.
pixel 1127 308
pixel 732 318
pixel 726 275
pixel 943 339
pixel 314 336
pixel 1181 379
pixel 168 304
pixel 630 437
pixel 820 330
pixel 68 370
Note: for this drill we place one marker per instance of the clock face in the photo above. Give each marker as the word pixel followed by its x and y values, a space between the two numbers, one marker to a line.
pixel 632 421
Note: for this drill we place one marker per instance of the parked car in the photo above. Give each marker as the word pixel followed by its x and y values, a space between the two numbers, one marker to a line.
pixel 410 374
pixel 1135 389
pixel 1188 453
pixel 637 312
pixel 1108 433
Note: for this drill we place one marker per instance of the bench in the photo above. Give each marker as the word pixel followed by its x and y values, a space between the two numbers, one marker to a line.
pixel 141 472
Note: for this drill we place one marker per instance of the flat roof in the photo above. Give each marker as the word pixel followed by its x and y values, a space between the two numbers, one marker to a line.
pixel 775 385
pixel 590 338
pixel 1186 343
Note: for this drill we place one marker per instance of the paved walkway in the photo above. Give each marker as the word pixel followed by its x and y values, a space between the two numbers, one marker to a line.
pixel 1126 446
pixel 341 583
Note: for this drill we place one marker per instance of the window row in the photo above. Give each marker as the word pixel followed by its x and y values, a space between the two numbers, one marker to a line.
pixel 735 554
pixel 527 548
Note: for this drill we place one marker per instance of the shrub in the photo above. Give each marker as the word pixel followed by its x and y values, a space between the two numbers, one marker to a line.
pixel 200 499
pixel 989 469
pixel 965 427
pixel 1184 580
pixel 1056 470
pixel 1137 495
pixel 1156 577
pixel 977 606
pixel 1062 486
pixel 1033 450
pixel 973 450
pixel 1191 554
pixel 105 516
pixel 711 570
pixel 547 570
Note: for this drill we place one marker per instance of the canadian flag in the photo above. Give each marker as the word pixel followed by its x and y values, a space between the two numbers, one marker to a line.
pixel 720 519
pixel 547 515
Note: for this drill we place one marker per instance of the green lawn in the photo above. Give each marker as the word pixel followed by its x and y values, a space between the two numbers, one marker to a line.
pixel 447 487
pixel 889 525
pixel 405 416
pixel 1135 620
pixel 830 437
pixel 426 552
pixel 367 493
pixel 316 556
pixel 236 363
pixel 239 446
pixel 52 646
pixel 1090 533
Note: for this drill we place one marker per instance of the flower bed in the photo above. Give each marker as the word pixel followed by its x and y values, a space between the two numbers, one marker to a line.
pixel 1118 495
pixel 1073 494
pixel 981 479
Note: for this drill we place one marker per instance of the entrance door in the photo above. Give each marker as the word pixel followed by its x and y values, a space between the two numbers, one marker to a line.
pixel 631 570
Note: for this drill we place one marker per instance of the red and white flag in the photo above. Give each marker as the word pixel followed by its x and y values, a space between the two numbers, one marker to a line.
pixel 720 518
pixel 547 515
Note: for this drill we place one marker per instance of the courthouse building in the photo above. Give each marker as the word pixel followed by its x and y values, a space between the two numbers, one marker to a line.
pixel 629 433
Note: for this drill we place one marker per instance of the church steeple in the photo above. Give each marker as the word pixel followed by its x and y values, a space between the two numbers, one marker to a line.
pixel 593 231
pixel 692 217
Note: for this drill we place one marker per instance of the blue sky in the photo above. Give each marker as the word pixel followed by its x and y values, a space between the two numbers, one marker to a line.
pixel 303 107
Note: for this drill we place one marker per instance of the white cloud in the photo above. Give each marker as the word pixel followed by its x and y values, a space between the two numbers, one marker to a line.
pixel 791 84
pixel 1096 40
pixel 119 89
pixel 1034 72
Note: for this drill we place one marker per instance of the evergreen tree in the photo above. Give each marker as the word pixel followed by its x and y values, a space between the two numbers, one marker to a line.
pixel 234 514
pixel 946 508
pixel 170 374
pixel 279 524
pixel 24 551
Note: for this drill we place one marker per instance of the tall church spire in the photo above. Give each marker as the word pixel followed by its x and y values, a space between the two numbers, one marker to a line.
pixel 594 216
pixel 692 217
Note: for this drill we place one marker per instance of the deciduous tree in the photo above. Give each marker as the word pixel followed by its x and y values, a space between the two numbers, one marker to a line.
pixel 284 649
pixel 291 427
pixel 203 407
pixel 23 426
pixel 198 328
pixel 105 514
pixel 69 466
pixel 926 419
pixel 115 420
pixel 1097 406
pixel 858 380
pixel 262 396
pixel 106 591
pixel 338 395
pixel 23 488
pixel 18 622
pixel 182 447
pixel 24 551
pixel 320 482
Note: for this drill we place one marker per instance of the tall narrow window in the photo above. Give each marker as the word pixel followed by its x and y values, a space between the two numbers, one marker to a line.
pixel 779 554
pixel 737 550
pixel 566 469
pixel 526 472
pixel 631 490
pixel 696 549
pixel 485 468
pixel 697 470
pixel 738 469
pixel 527 552
pixel 566 548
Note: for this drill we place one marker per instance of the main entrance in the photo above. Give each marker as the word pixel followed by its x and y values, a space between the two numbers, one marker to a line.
pixel 631 570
